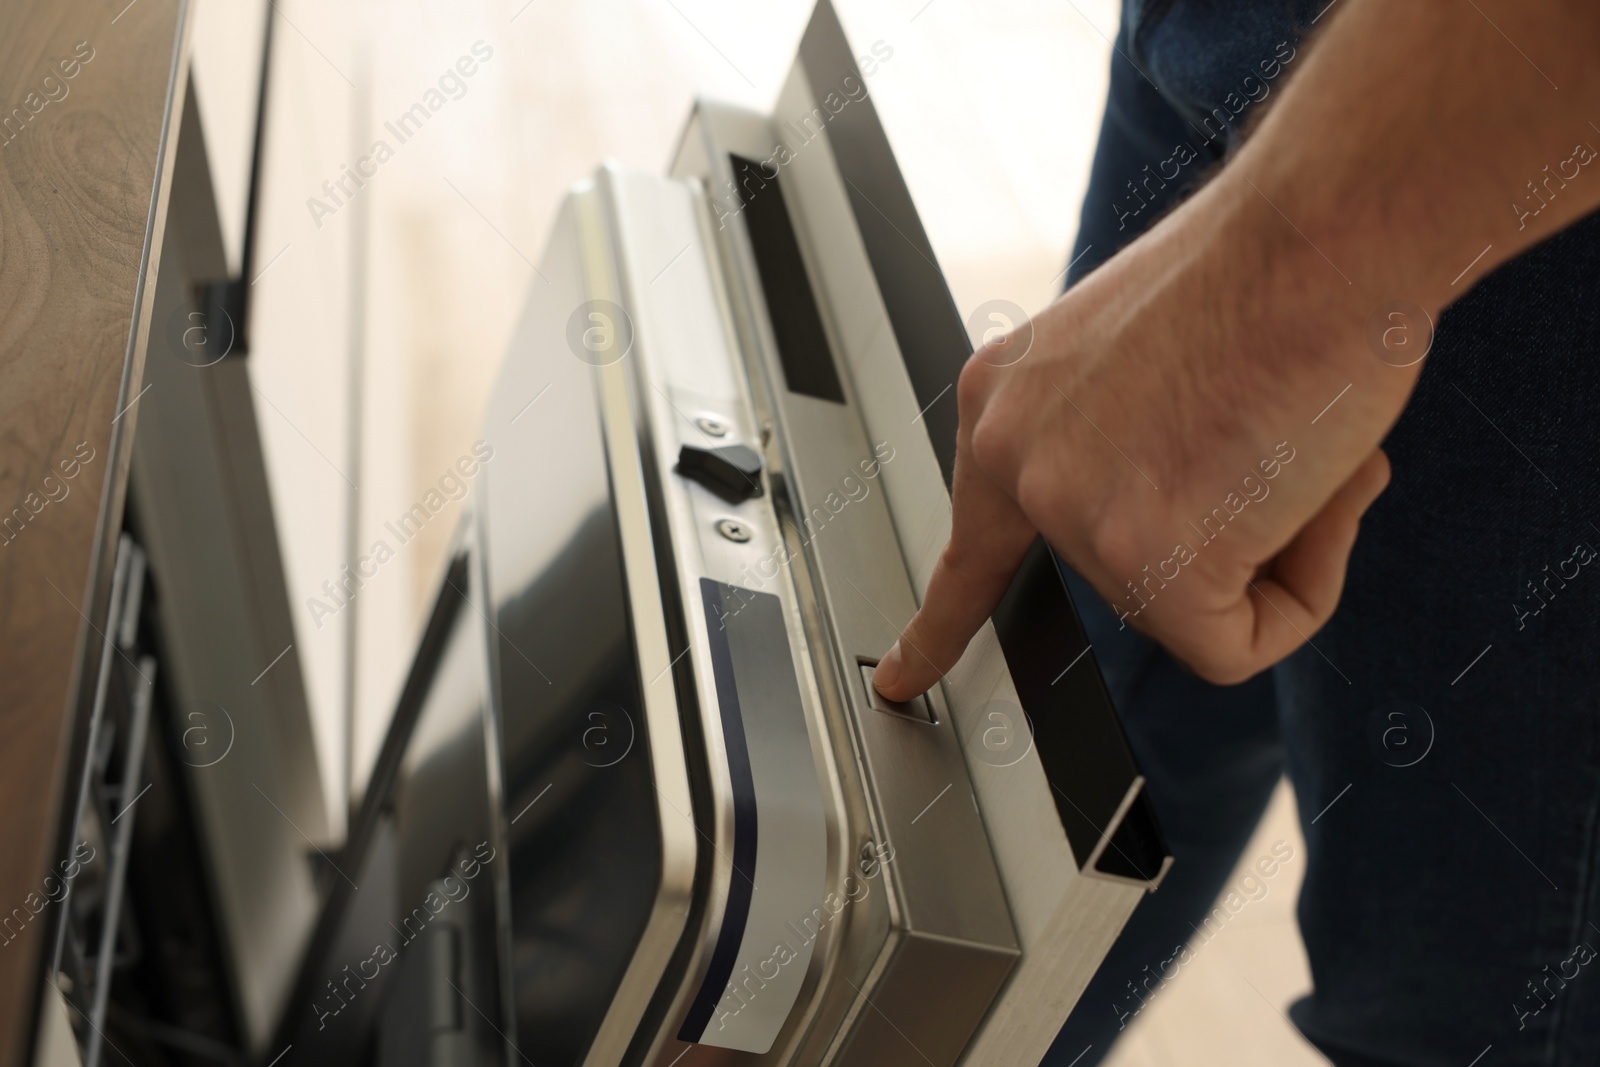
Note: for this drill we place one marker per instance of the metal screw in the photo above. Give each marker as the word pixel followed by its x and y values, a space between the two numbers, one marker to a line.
pixel 733 530
pixel 712 426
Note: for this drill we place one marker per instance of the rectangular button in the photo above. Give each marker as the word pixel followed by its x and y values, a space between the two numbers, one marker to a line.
pixel 919 709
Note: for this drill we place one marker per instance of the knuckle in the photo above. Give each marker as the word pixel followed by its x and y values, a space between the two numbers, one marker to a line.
pixel 1115 544
pixel 990 443
pixel 1044 496
pixel 972 387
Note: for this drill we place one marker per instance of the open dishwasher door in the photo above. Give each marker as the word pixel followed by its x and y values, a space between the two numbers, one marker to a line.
pixel 713 483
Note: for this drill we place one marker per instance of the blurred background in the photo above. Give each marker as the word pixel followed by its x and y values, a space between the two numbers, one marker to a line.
pixel 380 311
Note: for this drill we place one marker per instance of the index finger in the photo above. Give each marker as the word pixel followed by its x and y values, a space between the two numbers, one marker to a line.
pixel 989 535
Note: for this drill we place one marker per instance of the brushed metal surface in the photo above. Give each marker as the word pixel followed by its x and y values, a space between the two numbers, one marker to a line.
pixel 917 710
pixel 1065 922
pixel 944 890
pixel 688 369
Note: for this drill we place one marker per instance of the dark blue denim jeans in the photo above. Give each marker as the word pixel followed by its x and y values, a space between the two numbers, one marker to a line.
pixel 1442 732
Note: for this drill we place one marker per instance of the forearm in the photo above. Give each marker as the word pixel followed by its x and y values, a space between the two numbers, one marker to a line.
pixel 1253 325
pixel 1385 172
pixel 1418 134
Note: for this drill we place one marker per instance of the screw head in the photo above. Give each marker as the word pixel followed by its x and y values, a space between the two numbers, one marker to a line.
pixel 733 530
pixel 711 426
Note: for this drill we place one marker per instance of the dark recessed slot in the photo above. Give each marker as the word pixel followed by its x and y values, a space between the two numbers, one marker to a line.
pixel 803 350
pixel 1136 848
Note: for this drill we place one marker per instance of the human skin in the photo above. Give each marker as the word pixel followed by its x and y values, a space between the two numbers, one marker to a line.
pixel 1390 159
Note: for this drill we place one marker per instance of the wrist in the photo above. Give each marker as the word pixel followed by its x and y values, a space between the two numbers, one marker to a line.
pixel 1316 291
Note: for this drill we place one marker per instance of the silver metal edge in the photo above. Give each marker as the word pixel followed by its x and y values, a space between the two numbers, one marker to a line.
pixel 1089 871
pixel 689 568
pixel 834 1010
pixel 682 523
pixel 471 537
pixel 678 839
pixel 750 134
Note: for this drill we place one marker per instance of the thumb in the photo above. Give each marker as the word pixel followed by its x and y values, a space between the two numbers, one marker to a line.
pixel 1297 591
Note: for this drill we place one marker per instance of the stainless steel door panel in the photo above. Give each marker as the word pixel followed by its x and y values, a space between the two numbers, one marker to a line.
pixel 602 852
pixel 713 488
pixel 756 705
pixel 945 894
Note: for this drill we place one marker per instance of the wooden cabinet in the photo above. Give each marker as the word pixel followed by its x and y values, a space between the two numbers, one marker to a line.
pixel 90 95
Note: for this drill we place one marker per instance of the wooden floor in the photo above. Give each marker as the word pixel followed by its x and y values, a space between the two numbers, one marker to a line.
pixel 992 107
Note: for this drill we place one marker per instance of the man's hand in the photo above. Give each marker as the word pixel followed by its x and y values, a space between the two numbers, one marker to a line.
pixel 1195 426
pixel 1163 443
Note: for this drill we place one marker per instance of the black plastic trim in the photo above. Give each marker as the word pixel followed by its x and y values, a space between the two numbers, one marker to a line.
pixel 380 786
pixel 742 887
pixel 803 350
